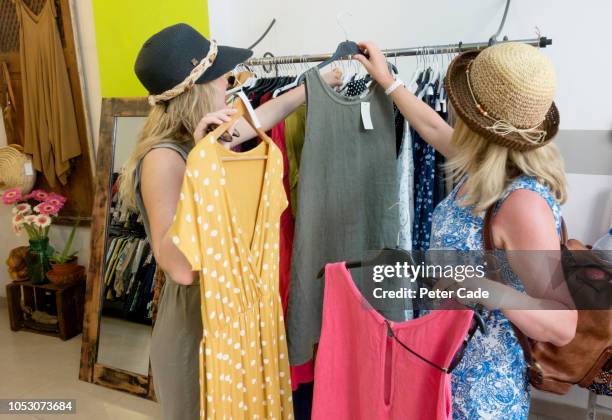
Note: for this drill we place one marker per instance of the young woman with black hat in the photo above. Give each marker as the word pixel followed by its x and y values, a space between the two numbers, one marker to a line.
pixel 501 155
pixel 186 76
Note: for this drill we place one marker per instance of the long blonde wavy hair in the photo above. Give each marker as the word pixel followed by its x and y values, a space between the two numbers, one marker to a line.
pixel 173 123
pixel 489 168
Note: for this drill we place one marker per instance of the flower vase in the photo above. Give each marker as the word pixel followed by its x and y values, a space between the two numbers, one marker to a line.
pixel 37 260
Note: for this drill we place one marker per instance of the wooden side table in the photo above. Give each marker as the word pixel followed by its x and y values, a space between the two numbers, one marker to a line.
pixel 66 302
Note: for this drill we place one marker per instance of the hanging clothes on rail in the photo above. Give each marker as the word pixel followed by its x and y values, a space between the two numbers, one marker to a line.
pixel 295 128
pixel 129 278
pixel 429 185
pixel 377 378
pixel 227 226
pixel 405 180
pixel 277 133
pixel 292 129
pixel 346 191
pixel 51 134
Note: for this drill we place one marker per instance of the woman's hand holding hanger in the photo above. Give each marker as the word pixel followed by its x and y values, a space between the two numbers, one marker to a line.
pixel 432 128
pixel 375 63
pixel 269 114
pixel 212 120
pixel 333 78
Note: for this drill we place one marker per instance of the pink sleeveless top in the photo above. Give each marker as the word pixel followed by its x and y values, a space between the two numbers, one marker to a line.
pixel 361 373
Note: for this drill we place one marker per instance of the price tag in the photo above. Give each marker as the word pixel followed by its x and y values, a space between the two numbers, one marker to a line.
pixel 366 118
pixel 29 171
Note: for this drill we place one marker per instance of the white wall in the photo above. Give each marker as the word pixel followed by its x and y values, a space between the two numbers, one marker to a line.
pixel 588 212
pixel 579 32
pixel 88 61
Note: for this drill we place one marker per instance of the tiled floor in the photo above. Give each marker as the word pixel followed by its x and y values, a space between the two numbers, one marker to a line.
pixel 39 366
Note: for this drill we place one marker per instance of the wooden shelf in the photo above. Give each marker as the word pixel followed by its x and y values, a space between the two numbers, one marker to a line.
pixel 66 302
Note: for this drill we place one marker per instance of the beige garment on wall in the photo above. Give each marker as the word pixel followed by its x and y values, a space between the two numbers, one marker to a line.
pixel 51 134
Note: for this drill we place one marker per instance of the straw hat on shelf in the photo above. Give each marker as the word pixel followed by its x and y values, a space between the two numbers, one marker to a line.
pixel 16 169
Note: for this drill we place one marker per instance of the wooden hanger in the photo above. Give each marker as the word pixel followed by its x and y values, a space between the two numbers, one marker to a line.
pixel 243 76
pixel 244 110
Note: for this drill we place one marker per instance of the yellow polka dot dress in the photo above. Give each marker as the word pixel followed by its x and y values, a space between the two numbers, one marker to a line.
pixel 244 369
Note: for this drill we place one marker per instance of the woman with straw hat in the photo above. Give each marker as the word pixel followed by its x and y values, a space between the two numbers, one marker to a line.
pixel 186 76
pixel 501 154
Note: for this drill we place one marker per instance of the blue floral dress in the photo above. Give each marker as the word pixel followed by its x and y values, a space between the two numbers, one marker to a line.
pixel 491 380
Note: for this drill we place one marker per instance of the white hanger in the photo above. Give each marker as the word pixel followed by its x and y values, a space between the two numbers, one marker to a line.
pixel 249 108
pixel 415 75
pixel 290 86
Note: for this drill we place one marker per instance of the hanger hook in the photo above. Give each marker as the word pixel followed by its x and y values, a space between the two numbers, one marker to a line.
pixel 423 57
pixel 339 17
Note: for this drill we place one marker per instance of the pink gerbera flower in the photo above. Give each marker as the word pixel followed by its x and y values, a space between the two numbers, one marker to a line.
pixel 18 221
pixel 39 195
pixel 57 197
pixel 46 208
pixel 42 221
pixel 22 208
pixel 55 202
pixel 11 196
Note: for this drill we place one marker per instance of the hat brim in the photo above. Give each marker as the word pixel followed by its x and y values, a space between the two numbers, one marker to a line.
pixel 227 58
pixel 457 88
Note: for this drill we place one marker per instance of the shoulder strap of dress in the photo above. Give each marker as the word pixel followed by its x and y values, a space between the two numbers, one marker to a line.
pixel 177 148
pixel 313 82
pixel 167 145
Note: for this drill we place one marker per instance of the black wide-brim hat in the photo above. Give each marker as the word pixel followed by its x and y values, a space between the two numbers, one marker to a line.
pixel 169 56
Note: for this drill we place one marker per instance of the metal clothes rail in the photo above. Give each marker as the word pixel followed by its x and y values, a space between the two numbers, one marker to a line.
pixel 541 42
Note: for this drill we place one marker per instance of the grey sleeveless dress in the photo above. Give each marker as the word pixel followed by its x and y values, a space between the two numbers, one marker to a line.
pixel 176 334
pixel 346 194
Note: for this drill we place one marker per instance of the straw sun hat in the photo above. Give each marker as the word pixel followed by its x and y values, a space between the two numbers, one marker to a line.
pixel 505 94
pixel 13 173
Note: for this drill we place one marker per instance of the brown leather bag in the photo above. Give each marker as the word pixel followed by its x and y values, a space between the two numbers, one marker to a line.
pixel 587 360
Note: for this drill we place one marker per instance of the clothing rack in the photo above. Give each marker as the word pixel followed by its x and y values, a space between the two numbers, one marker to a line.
pixel 541 42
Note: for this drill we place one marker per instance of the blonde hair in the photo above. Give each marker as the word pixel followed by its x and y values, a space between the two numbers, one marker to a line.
pixel 489 168
pixel 174 123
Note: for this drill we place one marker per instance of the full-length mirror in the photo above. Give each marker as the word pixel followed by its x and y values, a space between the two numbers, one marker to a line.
pixel 122 279
pixel 127 294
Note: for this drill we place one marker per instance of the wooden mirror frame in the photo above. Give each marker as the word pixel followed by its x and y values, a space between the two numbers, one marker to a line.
pixel 90 370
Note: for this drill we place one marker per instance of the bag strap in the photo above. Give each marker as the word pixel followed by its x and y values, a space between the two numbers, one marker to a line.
pixel 563 235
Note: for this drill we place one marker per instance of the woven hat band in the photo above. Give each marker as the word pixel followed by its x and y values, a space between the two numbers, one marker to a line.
pixel 190 80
